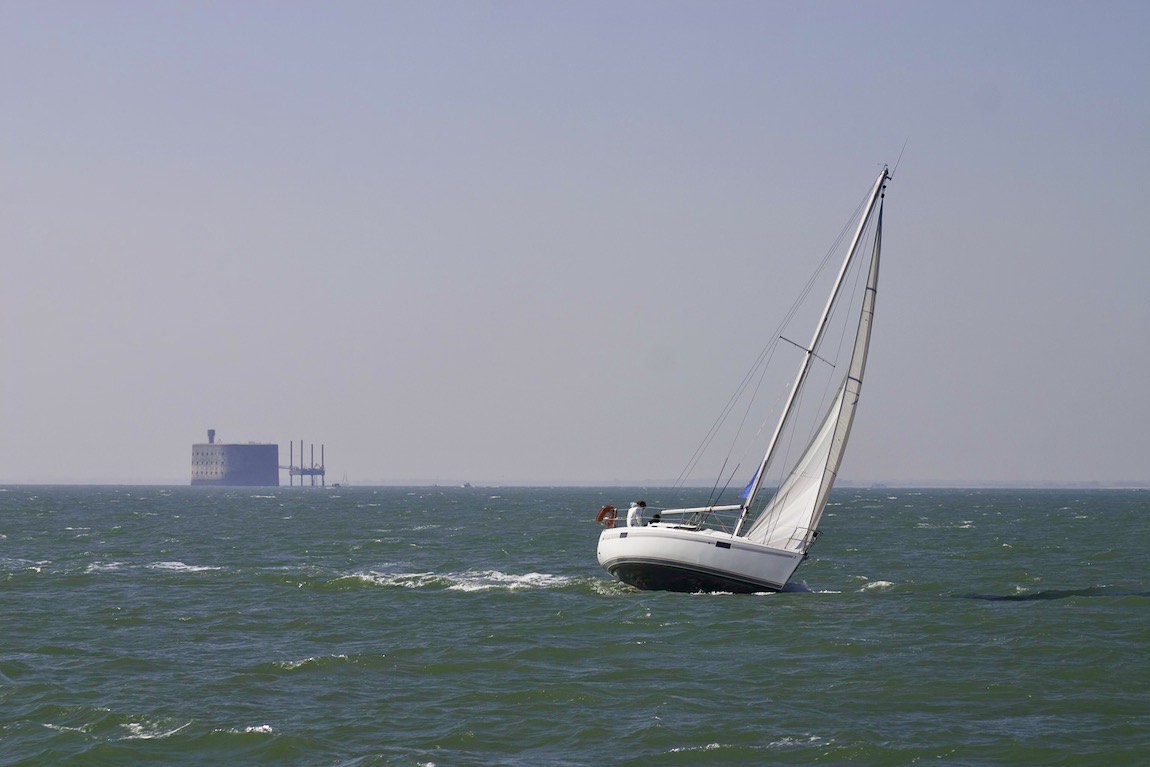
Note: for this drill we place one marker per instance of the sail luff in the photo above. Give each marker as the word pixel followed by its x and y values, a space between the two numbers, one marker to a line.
pixel 808 357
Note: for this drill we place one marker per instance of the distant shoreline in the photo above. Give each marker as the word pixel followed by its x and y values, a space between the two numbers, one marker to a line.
pixel 657 484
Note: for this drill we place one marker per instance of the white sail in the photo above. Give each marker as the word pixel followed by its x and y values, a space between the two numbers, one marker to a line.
pixel 787 521
pixel 791 517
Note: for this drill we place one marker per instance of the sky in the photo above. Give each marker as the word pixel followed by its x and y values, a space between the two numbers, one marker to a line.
pixel 541 242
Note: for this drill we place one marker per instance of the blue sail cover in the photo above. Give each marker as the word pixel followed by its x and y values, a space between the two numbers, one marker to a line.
pixel 747 490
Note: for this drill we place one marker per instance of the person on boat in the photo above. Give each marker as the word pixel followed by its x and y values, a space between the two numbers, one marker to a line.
pixel 635 513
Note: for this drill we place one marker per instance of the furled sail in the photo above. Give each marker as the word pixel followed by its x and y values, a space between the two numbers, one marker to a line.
pixel 791 517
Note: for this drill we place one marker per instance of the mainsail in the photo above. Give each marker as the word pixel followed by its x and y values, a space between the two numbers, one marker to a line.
pixel 791 517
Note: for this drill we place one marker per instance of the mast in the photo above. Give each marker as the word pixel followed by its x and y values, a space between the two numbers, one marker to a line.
pixel 809 352
pixel 853 384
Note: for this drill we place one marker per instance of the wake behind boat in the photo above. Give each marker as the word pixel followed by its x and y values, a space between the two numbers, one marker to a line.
pixel 756 544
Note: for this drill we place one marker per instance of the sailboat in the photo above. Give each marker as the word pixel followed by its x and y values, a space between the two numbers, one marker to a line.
pixel 756 544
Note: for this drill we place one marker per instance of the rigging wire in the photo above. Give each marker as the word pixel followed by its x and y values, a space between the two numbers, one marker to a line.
pixel 758 368
pixel 814 420
pixel 807 429
pixel 896 162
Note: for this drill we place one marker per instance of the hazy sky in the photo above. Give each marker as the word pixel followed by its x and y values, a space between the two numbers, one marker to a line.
pixel 541 242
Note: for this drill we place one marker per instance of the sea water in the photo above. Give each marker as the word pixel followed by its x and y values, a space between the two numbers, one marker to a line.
pixel 472 626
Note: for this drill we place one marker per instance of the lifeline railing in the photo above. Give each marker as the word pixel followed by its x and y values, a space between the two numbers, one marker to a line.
pixel 698 516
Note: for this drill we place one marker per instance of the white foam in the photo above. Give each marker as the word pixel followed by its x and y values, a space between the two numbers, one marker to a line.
pixel 62 728
pixel 878 586
pixel 140 731
pixel 400 580
pixel 21 564
pixel 180 567
pixel 105 567
pixel 790 742
pixel 493 579
pixel 291 665
pixel 259 729
pixel 467 581
pixel 689 749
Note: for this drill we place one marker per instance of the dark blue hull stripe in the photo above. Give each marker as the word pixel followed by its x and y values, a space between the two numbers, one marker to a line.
pixel 655 575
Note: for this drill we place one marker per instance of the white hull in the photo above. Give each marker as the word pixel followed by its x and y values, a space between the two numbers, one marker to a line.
pixel 671 558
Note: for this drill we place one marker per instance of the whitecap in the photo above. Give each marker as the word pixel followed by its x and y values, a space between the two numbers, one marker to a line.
pixel 401 580
pixel 140 731
pixel 493 579
pixel 689 749
pixel 259 729
pixel 105 567
pixel 292 665
pixel 26 565
pixel 790 742
pixel 62 728
pixel 878 585
pixel 180 567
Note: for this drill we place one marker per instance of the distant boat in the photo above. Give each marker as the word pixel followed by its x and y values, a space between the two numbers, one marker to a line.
pixel 754 546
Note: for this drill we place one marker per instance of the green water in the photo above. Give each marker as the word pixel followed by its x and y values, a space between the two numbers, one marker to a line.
pixel 387 626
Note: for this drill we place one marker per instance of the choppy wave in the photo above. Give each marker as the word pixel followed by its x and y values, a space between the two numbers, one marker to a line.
pixel 180 567
pixel 878 586
pixel 152 730
pixel 493 579
pixel 21 565
pixel 317 661
pixel 205 628
pixel 170 567
pixel 485 580
pixel 1033 596
pixel 106 567
pixel 254 729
